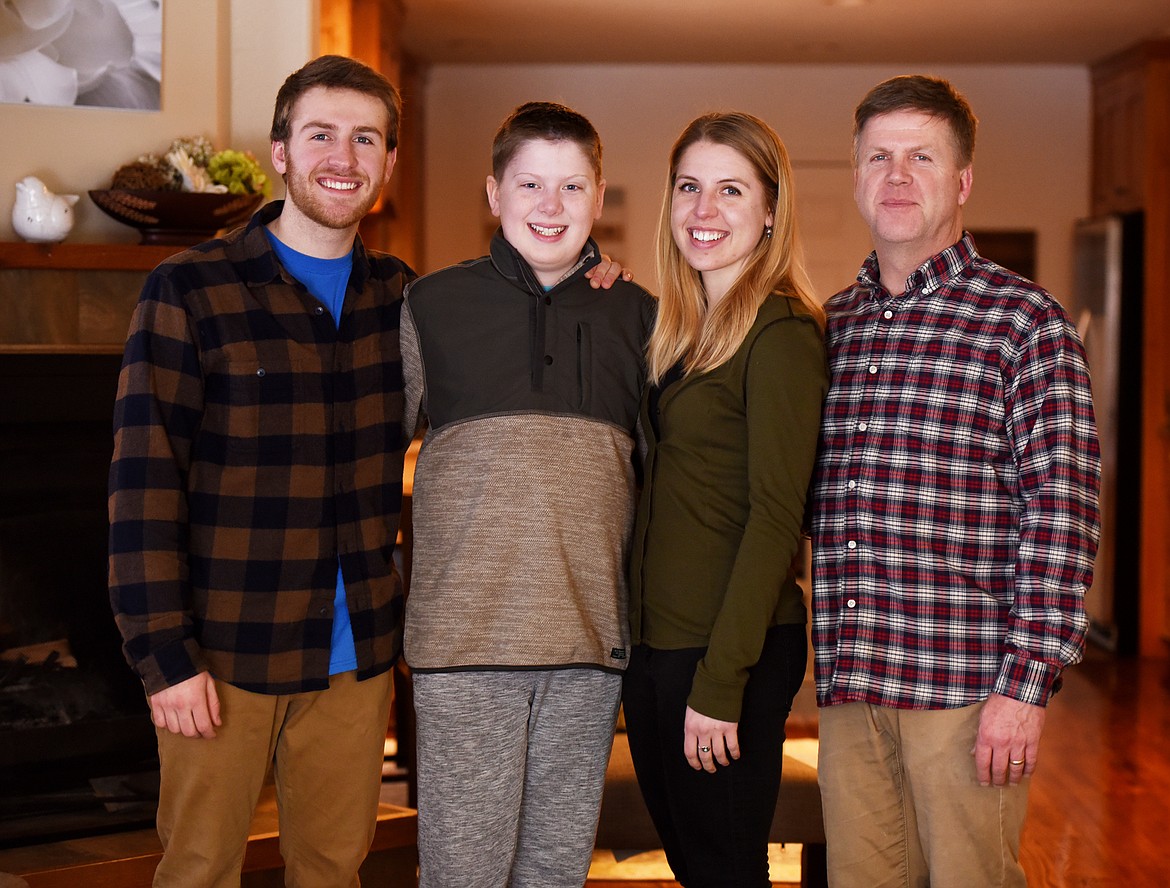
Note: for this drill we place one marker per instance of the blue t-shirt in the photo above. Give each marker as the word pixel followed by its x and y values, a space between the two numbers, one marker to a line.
pixel 326 279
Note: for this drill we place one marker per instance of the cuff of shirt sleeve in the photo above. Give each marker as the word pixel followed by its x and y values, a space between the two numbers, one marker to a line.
pixel 1027 680
pixel 169 665
pixel 715 699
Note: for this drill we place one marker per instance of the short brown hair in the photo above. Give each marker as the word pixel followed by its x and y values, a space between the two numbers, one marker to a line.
pixel 336 72
pixel 930 95
pixel 544 120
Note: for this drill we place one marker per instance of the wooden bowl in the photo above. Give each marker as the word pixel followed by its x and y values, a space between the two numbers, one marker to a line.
pixel 175 217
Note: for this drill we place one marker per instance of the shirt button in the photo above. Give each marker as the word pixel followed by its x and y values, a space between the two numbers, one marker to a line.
pixel 861 426
pixel 852 485
pixel 887 314
pixel 319 310
pixel 852 544
pixel 260 372
pixel 872 369
pixel 548 359
pixel 548 300
pixel 851 603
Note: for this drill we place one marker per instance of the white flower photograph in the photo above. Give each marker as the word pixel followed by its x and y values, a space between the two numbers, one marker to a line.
pixel 95 53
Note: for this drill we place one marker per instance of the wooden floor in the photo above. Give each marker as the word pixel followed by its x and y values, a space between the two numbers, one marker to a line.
pixel 1099 814
pixel 1099 810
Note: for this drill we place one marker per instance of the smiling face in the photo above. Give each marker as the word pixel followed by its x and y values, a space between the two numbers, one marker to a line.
pixel 718 212
pixel 335 161
pixel 910 186
pixel 547 200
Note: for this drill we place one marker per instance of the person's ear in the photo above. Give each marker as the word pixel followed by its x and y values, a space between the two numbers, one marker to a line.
pixel 279 160
pixel 965 178
pixel 493 195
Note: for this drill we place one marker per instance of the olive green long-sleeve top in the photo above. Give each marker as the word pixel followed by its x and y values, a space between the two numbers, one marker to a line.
pixel 721 510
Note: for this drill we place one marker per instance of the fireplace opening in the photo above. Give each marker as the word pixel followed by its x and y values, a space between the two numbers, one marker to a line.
pixel 77 749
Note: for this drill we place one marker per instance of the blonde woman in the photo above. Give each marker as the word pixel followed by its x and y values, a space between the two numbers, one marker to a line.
pixel 738 376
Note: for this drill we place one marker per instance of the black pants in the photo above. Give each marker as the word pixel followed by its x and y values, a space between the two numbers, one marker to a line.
pixel 714 827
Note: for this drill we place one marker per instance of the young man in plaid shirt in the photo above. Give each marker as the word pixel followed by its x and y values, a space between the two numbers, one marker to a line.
pixel 254 499
pixel 955 522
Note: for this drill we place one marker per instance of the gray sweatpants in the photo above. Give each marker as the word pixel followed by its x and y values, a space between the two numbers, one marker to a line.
pixel 511 767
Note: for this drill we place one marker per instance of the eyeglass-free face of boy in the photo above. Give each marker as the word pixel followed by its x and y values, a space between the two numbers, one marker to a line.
pixel 547 201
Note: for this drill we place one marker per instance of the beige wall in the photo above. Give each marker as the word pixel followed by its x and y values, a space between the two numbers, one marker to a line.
pixel 269 40
pixel 223 61
pixel 1031 169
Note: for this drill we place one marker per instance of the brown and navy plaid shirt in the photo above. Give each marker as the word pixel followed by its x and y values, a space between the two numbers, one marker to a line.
pixel 256 443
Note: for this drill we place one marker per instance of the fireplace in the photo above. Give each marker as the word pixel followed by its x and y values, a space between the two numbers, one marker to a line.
pixel 77 750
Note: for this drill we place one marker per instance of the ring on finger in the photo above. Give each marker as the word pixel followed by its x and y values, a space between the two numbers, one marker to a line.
pixel 704 749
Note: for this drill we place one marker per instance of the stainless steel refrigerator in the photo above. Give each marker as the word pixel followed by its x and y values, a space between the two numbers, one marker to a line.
pixel 1106 306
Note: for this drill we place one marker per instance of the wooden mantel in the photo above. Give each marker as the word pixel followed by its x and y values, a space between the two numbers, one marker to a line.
pixel 71 298
pixel 116 257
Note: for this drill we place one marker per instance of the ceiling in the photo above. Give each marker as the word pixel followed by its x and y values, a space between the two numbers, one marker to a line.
pixel 779 31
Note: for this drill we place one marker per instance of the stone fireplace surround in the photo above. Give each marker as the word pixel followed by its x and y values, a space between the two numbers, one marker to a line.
pixel 76 745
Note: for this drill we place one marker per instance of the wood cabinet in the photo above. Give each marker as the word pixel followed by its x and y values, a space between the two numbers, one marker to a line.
pixel 1131 172
pixel 1118 140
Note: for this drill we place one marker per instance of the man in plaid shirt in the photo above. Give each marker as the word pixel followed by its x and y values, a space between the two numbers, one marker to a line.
pixel 955 522
pixel 254 501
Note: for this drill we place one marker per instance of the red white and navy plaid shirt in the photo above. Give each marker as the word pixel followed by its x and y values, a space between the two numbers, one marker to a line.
pixel 955 514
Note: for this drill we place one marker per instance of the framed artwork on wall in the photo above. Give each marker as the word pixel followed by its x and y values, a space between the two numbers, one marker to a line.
pixel 94 53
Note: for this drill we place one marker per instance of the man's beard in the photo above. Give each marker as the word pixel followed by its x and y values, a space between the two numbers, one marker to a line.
pixel 305 195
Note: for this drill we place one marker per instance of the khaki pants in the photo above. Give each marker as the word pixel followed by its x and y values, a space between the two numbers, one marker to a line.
pixel 326 750
pixel 902 805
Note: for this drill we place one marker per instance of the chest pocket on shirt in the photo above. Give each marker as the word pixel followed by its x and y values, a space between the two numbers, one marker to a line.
pixel 273 408
pixel 370 396
pixel 951 406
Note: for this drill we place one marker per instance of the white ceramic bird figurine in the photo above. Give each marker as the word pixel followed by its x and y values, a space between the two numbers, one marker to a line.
pixel 39 215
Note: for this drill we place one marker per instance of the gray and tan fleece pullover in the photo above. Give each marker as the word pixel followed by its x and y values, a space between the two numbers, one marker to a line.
pixel 524 489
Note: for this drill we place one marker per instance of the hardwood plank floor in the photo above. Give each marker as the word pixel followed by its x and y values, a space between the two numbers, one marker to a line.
pixel 1099 809
pixel 1100 800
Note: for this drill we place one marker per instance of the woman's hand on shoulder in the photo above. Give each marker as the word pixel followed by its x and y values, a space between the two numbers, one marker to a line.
pixel 707 741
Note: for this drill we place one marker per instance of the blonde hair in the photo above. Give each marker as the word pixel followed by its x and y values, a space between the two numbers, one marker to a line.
pixel 685 330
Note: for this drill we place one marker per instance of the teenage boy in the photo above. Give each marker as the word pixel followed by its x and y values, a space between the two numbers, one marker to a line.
pixel 529 381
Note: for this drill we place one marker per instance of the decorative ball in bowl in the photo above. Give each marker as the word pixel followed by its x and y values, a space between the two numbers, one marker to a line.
pixel 180 218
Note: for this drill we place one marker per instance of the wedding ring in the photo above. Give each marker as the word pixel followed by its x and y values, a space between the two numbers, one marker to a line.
pixel 1014 762
pixel 704 749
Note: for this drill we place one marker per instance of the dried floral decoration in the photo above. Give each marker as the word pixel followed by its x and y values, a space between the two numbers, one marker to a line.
pixel 193 164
